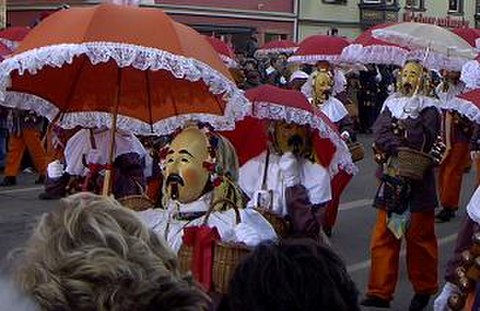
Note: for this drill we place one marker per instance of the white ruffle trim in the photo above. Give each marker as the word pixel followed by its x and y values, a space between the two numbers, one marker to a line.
pixel 374 54
pixel 465 108
pixel 407 40
pixel 313 59
pixel 403 107
pixel 341 159
pixel 276 51
pixel 229 62
pixel 438 61
pixel 126 55
pixel 471 74
pixel 97 119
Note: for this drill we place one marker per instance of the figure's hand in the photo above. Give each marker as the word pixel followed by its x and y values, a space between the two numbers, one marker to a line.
pixel 345 135
pixel 441 302
pixel 290 169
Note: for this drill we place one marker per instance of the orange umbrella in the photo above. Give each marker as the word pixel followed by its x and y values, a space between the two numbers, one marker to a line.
pixel 87 65
pixel 120 67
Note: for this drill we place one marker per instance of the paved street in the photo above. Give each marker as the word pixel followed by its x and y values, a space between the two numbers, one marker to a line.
pixel 20 207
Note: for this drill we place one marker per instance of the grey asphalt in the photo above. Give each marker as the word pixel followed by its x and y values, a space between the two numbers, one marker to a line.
pixel 20 209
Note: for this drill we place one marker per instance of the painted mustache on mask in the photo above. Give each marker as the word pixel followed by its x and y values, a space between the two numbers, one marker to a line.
pixel 173 180
pixel 296 142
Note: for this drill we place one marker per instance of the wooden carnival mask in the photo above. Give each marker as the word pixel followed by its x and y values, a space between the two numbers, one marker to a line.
pixel 322 86
pixel 411 78
pixel 186 175
pixel 291 137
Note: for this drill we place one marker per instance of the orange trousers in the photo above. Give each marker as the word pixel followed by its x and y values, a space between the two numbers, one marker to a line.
pixel 450 174
pixel 422 256
pixel 30 139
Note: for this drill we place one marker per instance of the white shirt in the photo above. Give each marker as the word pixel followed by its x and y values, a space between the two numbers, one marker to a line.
pixel 314 177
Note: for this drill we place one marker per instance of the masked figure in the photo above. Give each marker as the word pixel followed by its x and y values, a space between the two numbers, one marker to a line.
pixel 405 205
pixel 468 240
pixel 85 159
pixel 286 179
pixel 200 170
pixel 458 131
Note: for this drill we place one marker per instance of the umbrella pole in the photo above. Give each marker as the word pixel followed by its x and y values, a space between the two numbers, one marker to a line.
pixel 107 180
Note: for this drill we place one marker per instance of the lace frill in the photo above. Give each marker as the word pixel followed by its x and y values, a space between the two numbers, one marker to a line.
pixel 125 55
pixel 376 54
pixel 313 59
pixel 275 51
pixel 342 158
pixel 471 74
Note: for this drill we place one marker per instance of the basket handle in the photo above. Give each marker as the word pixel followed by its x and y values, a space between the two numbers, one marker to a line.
pixel 215 203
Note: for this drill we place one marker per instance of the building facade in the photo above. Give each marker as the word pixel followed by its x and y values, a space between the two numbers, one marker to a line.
pixel 233 21
pixel 351 17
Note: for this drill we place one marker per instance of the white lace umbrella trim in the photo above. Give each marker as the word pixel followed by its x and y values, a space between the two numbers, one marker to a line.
pixel 465 108
pixel 276 51
pixel 374 54
pixel 438 61
pixel 125 55
pixel 313 59
pixel 341 159
pixel 471 74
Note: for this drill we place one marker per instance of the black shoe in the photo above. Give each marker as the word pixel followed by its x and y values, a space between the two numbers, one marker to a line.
pixel 374 301
pixel 8 181
pixel 327 231
pixel 48 196
pixel 445 215
pixel 419 302
pixel 40 180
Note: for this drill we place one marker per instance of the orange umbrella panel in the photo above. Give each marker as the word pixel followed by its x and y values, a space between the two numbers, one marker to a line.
pixel 83 64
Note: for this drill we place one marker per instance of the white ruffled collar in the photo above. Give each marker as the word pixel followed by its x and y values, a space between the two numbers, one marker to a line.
pixel 403 107
pixel 333 109
pixel 200 205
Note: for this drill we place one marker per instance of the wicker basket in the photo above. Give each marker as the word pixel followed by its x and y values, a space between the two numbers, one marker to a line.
pixel 137 202
pixel 413 163
pixel 279 224
pixel 226 256
pixel 357 151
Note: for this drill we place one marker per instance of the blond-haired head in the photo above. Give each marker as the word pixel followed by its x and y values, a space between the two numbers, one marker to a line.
pixel 92 254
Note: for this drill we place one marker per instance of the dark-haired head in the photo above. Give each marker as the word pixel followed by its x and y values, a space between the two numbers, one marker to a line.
pixel 292 275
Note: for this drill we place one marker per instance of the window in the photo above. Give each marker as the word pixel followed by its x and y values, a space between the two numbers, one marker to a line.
pixel 415 4
pixel 455 6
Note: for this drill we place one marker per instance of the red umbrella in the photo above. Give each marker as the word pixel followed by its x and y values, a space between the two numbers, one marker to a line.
pixel 468 34
pixel 277 47
pixel 366 50
pixel 4 51
pixel 468 104
pixel 319 48
pixel 12 36
pixel 273 103
pixel 224 51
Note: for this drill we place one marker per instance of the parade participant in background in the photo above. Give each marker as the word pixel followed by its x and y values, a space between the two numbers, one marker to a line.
pixel 200 169
pixel 406 206
pixel 287 173
pixel 467 240
pixel 367 97
pixel 322 99
pixel 24 133
pixel 276 72
pixel 458 132
pixel 86 158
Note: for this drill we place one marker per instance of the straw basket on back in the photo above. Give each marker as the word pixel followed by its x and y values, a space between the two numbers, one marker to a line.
pixel 226 256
